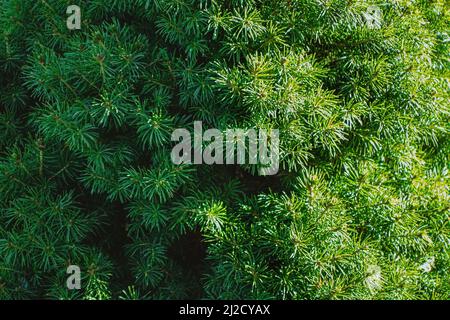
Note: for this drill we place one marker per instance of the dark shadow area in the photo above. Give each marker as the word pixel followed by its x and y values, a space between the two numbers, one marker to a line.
pixel 189 253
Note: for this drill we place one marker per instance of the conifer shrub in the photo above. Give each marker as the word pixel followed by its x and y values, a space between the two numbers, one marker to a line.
pixel 359 208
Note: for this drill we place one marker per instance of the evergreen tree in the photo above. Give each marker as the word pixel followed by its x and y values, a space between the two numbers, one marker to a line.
pixel 358 210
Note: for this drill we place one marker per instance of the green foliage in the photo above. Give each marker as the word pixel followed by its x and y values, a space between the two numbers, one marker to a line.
pixel 358 210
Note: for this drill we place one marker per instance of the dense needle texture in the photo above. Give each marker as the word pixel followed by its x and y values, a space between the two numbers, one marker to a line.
pixel 359 208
